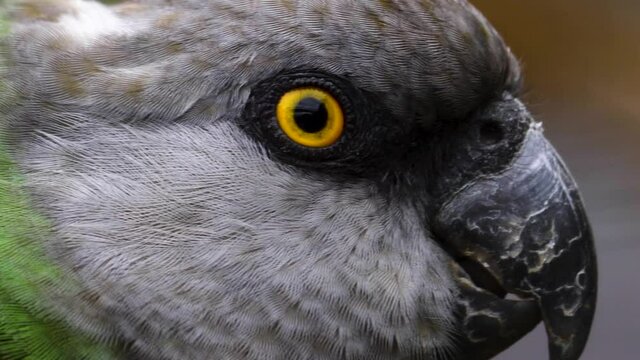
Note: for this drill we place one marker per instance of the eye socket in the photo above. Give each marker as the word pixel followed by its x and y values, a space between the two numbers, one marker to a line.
pixel 311 117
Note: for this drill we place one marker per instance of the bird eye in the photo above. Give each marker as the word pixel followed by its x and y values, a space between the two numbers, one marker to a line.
pixel 310 117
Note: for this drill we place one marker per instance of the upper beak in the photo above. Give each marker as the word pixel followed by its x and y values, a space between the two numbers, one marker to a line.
pixel 526 226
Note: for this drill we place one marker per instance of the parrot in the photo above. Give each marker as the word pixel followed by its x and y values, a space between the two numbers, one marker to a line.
pixel 278 179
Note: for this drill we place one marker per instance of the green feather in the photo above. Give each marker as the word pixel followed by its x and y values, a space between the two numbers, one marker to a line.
pixel 28 330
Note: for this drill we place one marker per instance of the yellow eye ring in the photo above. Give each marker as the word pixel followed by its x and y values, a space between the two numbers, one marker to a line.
pixel 311 117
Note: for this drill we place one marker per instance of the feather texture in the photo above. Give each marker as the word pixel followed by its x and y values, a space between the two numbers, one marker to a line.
pixel 186 237
pixel 27 329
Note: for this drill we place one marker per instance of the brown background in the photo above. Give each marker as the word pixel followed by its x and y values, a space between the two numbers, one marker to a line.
pixel 582 65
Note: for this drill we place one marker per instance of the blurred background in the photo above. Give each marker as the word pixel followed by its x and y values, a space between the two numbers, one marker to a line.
pixel 582 66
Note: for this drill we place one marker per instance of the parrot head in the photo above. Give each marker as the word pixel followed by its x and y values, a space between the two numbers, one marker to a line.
pixel 293 179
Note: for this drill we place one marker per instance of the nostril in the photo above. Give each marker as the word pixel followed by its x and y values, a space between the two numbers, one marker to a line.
pixel 491 132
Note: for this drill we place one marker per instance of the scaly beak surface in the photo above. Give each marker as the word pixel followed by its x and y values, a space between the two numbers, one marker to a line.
pixel 527 227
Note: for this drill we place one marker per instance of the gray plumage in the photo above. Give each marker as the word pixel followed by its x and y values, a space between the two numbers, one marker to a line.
pixel 188 239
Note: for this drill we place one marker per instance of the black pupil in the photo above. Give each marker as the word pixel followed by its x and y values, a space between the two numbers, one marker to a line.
pixel 311 115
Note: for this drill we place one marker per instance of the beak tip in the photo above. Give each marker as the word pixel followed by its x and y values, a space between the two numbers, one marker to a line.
pixel 566 348
pixel 568 312
pixel 568 335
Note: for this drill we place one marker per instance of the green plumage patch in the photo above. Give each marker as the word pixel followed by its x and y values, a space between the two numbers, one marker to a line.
pixel 27 330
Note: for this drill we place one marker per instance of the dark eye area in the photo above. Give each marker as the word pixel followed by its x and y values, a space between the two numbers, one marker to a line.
pixel 311 115
pixel 491 132
pixel 323 122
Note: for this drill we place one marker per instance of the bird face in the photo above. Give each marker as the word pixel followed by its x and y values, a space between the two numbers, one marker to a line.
pixel 288 179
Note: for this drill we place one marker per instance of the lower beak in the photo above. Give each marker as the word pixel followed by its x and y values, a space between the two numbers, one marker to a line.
pixel 527 227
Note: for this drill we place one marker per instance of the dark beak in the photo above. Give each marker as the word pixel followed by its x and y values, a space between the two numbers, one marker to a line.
pixel 527 228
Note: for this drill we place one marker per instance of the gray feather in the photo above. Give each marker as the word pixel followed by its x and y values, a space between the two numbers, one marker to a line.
pixel 190 242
